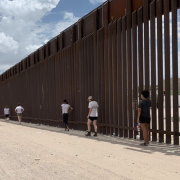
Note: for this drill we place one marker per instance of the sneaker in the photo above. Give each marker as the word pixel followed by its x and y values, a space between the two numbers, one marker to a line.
pixel 143 144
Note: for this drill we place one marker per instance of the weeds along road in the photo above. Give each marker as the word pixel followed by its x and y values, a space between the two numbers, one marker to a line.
pixel 29 151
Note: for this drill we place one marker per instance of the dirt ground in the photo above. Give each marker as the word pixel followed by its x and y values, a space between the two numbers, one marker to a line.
pixel 38 152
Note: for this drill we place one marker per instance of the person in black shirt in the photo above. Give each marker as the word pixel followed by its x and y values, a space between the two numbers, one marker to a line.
pixel 144 115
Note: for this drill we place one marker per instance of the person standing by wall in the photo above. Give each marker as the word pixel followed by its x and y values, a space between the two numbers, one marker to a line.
pixel 19 110
pixel 66 109
pixel 144 115
pixel 6 113
pixel 92 115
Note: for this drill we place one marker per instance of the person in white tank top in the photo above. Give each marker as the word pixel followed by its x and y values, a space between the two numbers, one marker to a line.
pixel 92 115
pixel 66 109
pixel 6 113
pixel 19 110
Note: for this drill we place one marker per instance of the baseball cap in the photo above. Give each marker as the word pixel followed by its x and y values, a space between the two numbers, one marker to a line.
pixel 90 98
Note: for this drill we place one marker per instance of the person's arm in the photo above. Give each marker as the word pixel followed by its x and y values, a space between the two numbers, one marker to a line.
pixel 22 109
pixel 90 110
pixel 16 110
pixel 70 109
pixel 139 113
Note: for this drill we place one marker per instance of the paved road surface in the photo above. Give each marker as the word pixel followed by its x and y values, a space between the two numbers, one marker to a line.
pixel 48 153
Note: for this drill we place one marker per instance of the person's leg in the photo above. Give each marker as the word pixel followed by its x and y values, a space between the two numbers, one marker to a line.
pixel 64 120
pixel 95 125
pixel 67 116
pixel 89 127
pixel 19 119
pixel 145 132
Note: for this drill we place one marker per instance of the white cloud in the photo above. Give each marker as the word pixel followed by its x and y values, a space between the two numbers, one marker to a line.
pixel 96 1
pixel 4 67
pixel 7 44
pixel 32 48
pixel 22 30
pixel 68 20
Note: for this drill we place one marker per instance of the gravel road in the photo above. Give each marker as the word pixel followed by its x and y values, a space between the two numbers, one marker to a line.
pixel 38 152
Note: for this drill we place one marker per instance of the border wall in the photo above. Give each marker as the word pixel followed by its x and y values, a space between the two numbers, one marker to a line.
pixel 105 54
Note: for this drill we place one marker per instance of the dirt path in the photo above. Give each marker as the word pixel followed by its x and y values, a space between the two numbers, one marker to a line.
pixel 30 151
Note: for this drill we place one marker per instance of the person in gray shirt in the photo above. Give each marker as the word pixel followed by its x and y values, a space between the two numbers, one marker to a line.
pixel 144 115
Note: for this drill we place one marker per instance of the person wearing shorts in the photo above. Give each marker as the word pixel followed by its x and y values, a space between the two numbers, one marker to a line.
pixel 92 116
pixel 6 113
pixel 66 109
pixel 19 110
pixel 144 115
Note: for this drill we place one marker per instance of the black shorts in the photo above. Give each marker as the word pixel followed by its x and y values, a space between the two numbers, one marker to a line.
pixel 93 118
pixel 143 119
pixel 7 115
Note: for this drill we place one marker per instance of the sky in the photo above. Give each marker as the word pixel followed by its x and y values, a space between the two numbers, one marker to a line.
pixel 26 25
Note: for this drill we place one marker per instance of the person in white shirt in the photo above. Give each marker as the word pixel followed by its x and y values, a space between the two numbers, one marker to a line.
pixel 6 112
pixel 92 115
pixel 19 110
pixel 66 109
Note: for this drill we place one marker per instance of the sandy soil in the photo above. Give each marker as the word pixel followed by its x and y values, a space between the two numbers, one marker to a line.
pixel 30 151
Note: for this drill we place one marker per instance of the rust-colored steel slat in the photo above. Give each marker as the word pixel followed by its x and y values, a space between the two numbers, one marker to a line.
pixel 110 77
pixel 140 55
pixel 105 24
pixel 114 75
pixel 95 53
pixel 167 69
pixel 56 86
pixel 61 82
pixel 54 89
pixel 134 62
pixel 79 79
pixel 56 81
pixel 153 71
pixel 76 73
pixel 124 75
pixel 129 65
pixel 98 77
pixel 78 48
pixel 146 41
pixel 81 56
pixel 84 74
pixel 175 70
pixel 160 69
pixel 45 88
pixel 102 95
pixel 91 55
pixel 86 84
pixel 83 50
pixel 74 83
pixel 119 75
pixel 88 67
